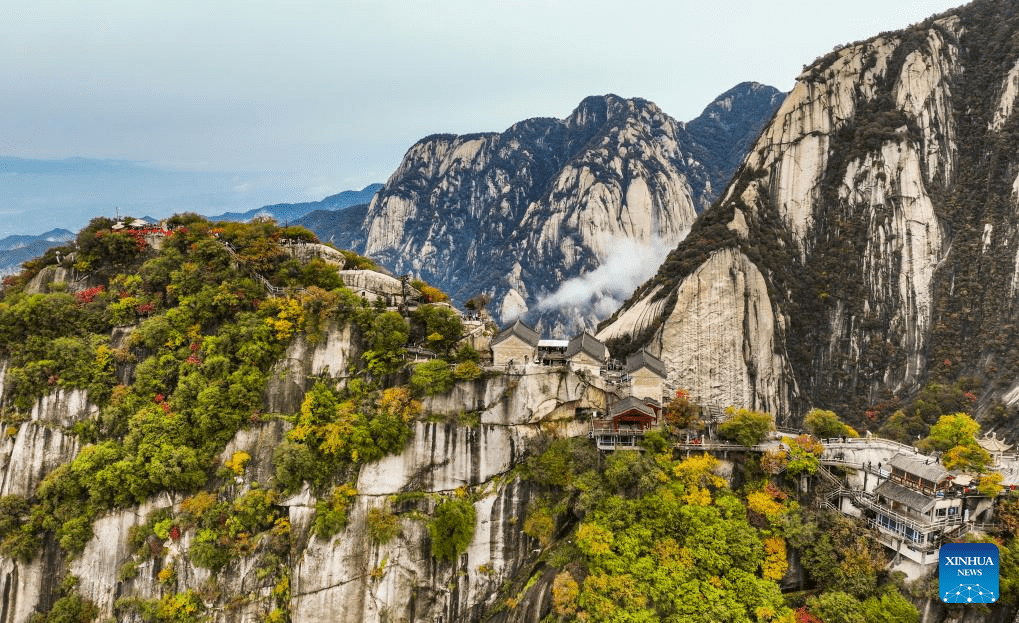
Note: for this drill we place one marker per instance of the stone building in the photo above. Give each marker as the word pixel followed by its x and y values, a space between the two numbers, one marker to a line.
pixel 516 345
pixel 586 353
pixel 647 375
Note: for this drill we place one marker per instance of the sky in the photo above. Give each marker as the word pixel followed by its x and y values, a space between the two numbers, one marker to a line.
pixel 324 96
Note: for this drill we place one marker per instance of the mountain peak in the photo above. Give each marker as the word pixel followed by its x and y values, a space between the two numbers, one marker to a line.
pixel 595 110
pixel 546 217
pixel 830 273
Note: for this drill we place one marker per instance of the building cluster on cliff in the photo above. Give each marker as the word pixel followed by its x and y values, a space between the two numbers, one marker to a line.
pixel 642 375
pixel 912 502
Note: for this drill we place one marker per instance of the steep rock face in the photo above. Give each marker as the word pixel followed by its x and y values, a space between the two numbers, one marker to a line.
pixel 348 577
pixel 42 443
pixel 547 195
pixel 547 216
pixel 305 359
pixel 721 342
pixel 26 587
pixel 31 450
pixel 879 207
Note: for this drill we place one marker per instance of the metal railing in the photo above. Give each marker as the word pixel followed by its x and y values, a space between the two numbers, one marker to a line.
pixel 619 431
pixel 870 442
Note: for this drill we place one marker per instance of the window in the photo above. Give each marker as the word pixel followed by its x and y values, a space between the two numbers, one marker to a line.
pixel 954 510
pixel 940 512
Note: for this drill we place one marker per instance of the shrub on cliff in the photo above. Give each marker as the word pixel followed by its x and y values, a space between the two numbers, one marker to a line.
pixel 431 378
pixel 746 427
pixel 452 528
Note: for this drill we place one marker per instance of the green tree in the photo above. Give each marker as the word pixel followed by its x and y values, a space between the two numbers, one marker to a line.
pixel 387 336
pixel 746 427
pixel 452 528
pixel 956 429
pixel 431 378
pixel 955 435
pixel 1009 571
pixel 466 371
pixel 890 607
pixel 837 607
pixel 804 455
pixel 903 428
pixel 438 327
pixel 826 424
pixel 383 525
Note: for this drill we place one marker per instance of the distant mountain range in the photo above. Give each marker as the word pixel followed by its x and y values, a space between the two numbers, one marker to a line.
pixel 38 195
pixel 343 228
pixel 18 248
pixel 283 212
pixel 557 220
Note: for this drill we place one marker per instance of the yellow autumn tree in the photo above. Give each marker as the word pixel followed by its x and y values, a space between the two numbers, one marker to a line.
pixel 775 562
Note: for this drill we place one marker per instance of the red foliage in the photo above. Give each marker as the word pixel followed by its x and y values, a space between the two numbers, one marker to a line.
pixel 194 360
pixel 139 235
pixel 175 533
pixel 87 296
pixel 159 398
pixel 804 616
pixel 146 308
pixel 878 411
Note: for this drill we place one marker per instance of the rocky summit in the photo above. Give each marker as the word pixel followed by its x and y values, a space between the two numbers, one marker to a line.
pixel 867 249
pixel 547 217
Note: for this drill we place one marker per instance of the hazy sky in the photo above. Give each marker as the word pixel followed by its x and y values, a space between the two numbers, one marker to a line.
pixel 334 92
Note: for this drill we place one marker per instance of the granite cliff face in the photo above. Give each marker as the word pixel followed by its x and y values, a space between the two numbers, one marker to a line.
pixel 547 216
pixel 347 577
pixel 869 242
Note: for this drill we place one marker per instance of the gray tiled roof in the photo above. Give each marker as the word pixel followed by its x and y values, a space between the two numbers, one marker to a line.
pixel 628 403
pixel 908 497
pixel 585 342
pixel 519 329
pixel 642 359
pixel 921 466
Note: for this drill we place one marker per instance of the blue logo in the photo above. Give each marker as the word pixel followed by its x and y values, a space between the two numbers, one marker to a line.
pixel 968 573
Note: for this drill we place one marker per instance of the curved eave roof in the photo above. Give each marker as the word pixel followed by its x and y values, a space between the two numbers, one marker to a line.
pixel 522 331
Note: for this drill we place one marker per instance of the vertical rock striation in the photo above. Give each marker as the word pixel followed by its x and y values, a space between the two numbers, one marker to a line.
pixel 547 216
pixel 877 216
